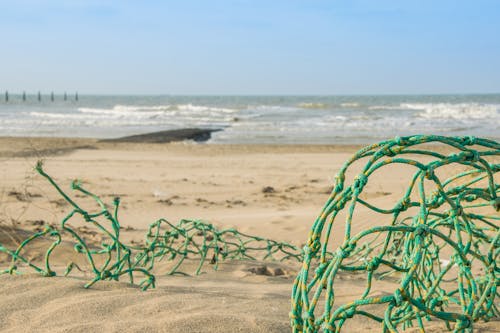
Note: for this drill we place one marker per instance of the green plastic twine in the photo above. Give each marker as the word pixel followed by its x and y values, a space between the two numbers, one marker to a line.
pixel 444 255
pixel 112 259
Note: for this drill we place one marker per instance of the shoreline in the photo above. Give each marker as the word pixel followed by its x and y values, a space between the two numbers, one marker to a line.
pixel 41 147
pixel 28 146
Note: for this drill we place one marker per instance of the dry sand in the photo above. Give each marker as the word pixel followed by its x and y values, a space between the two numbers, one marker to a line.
pixel 217 183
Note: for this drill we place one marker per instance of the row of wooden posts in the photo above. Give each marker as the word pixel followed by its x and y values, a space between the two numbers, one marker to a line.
pixel 39 96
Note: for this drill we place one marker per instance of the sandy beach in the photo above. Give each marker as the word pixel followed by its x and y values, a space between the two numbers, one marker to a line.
pixel 270 191
pixel 250 166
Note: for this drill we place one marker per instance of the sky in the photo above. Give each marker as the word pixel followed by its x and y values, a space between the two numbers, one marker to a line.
pixel 251 47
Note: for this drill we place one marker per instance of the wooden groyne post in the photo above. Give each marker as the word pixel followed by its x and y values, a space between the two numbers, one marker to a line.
pixel 24 97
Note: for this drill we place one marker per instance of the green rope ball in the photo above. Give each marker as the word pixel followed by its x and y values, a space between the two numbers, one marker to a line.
pixel 438 244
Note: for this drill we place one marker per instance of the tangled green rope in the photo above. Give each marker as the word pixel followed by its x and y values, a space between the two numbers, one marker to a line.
pixel 440 241
pixel 112 259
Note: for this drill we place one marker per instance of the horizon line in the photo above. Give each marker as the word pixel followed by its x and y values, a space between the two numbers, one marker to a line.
pixel 73 92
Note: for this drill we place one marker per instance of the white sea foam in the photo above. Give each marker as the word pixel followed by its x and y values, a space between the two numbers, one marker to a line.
pixel 313 105
pixel 279 108
pixel 56 115
pixel 459 111
pixel 156 110
pixel 385 107
pixel 125 112
pixel 349 105
pixel 203 108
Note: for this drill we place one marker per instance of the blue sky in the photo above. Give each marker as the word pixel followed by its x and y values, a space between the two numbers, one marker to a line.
pixel 251 46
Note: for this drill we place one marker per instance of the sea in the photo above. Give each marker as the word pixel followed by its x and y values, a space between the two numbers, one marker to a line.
pixel 255 119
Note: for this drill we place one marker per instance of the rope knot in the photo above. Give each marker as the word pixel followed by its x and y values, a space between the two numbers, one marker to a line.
pixel 462 323
pixel 339 183
pixel 348 313
pixel 373 264
pixel 429 173
pixel 422 230
pixel 400 141
pixel 403 204
pixel 295 319
pixel 345 251
pixel 496 204
pixel 398 297
pixel 320 269
pixel 435 302
pixel 104 274
pixel 78 248
pixel 457 211
pixel 86 216
pixel 360 181
pixel 462 263
pixel 434 200
pixel 471 155
pixel 309 317
pixel 327 327
pixel 313 244
pixel 469 140
pixel 52 232
pixel 49 273
pixel 76 184
pixel 389 152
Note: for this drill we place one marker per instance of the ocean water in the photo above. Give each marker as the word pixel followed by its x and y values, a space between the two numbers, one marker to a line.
pixel 256 119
